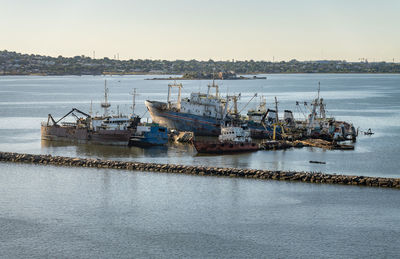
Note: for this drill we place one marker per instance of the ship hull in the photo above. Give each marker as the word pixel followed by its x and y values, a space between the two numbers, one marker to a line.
pixel 258 131
pixel 150 139
pixel 199 125
pixel 146 142
pixel 83 136
pixel 225 147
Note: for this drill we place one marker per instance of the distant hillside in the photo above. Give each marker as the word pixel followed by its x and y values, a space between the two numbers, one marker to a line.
pixel 12 63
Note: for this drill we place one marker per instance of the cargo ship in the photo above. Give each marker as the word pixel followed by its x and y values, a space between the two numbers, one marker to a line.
pixel 231 139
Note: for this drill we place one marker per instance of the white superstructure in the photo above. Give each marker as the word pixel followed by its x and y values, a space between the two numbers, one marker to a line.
pixel 111 123
pixel 204 105
pixel 235 134
pixel 200 104
pixel 257 114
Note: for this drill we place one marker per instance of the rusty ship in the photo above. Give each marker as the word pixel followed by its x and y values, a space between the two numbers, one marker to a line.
pixel 202 113
pixel 232 139
pixel 109 130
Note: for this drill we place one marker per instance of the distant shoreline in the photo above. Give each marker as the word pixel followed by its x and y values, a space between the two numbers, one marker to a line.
pixel 13 63
pixel 179 78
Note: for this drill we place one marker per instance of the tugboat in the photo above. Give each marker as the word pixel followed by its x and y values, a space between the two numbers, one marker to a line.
pixel 231 139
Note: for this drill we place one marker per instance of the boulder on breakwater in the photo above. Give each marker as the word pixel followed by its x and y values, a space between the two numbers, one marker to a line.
pixel 311 177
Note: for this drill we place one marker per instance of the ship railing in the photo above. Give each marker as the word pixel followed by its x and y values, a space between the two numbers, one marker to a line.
pixel 46 124
pixel 70 124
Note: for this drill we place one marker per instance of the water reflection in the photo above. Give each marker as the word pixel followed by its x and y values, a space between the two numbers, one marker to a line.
pixel 104 151
pixel 184 153
pixel 107 152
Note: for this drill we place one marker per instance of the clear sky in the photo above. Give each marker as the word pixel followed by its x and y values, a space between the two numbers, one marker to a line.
pixel 204 29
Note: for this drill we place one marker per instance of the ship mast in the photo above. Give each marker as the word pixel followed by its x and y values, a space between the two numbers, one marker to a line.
pixel 234 98
pixel 322 108
pixel 179 86
pixel 313 114
pixel 213 85
pixel 133 101
pixel 91 108
pixel 276 110
pixel 235 107
pixel 225 108
pixel 322 112
pixel 263 103
pixel 105 105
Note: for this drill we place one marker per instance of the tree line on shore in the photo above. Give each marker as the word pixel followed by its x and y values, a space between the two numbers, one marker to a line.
pixel 12 63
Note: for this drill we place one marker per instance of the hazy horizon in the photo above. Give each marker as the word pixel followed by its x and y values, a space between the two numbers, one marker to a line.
pixel 224 30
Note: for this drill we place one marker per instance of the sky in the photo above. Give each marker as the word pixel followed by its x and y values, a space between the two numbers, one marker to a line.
pixel 207 29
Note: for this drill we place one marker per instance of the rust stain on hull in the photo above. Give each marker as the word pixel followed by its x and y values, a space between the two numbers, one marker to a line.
pixel 83 135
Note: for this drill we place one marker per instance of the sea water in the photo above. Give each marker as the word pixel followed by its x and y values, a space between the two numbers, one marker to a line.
pixel 48 211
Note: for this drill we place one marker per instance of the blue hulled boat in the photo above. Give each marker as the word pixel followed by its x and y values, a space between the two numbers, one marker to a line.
pixel 149 135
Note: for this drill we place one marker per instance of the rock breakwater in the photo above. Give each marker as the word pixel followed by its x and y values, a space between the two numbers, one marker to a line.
pixel 310 177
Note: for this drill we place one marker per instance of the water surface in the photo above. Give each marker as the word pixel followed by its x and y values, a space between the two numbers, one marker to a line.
pixel 63 212
pixel 60 212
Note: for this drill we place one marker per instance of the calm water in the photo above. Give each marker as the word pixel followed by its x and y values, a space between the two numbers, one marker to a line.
pixel 369 101
pixel 68 212
pixel 72 212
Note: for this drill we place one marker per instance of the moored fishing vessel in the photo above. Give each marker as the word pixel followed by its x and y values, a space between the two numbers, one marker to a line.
pixel 149 135
pixel 318 125
pixel 256 120
pixel 201 113
pixel 116 131
pixel 263 122
pixel 106 129
pixel 231 139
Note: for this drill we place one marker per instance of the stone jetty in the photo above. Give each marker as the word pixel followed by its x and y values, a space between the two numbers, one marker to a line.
pixel 310 177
